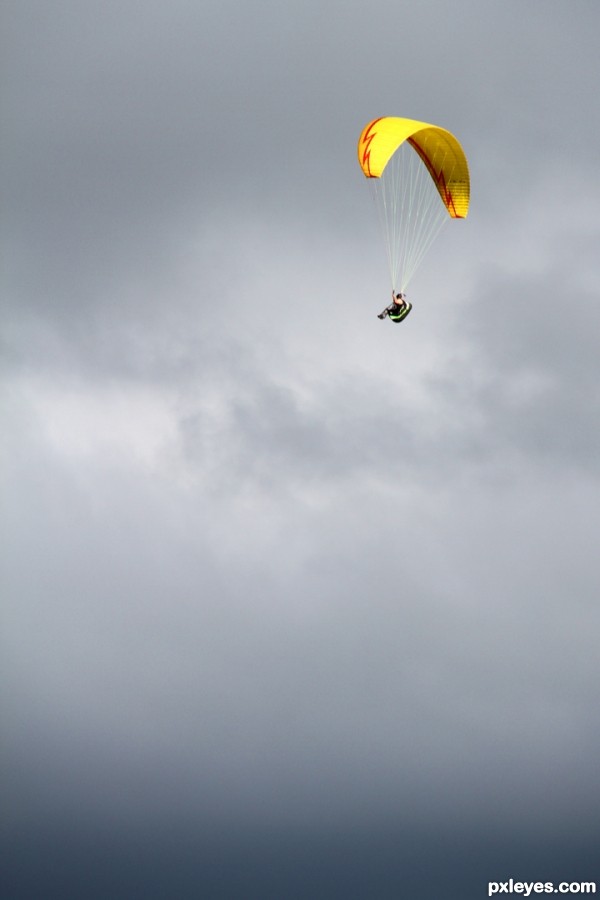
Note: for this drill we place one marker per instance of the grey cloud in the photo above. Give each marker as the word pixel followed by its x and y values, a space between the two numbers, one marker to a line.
pixel 126 130
pixel 283 581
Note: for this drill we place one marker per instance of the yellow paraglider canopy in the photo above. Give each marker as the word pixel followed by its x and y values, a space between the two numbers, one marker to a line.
pixel 439 150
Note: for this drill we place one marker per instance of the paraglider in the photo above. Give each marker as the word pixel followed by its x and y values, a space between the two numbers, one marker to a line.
pixel 420 179
pixel 398 309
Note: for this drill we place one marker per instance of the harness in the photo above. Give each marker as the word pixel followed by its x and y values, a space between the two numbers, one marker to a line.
pixel 398 312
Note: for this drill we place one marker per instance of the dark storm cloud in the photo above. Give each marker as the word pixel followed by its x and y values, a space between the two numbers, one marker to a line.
pixel 313 596
pixel 128 127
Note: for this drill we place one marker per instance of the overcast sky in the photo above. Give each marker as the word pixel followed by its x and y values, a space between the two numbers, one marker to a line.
pixel 298 603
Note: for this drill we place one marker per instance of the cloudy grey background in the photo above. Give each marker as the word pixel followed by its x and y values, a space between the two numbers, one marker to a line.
pixel 297 603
